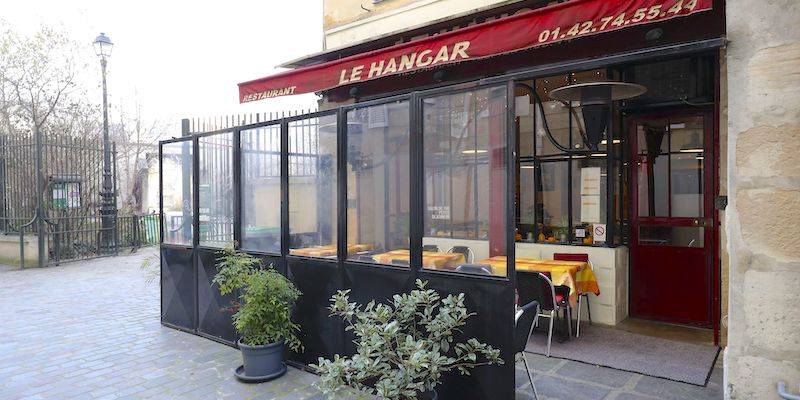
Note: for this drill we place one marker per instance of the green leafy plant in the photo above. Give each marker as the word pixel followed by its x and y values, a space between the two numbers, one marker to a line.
pixel 263 313
pixel 403 348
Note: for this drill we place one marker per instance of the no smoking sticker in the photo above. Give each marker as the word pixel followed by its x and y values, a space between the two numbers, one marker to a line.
pixel 599 234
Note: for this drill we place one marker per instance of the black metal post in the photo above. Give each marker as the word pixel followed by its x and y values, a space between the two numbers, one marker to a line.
pixel 39 197
pixel 108 209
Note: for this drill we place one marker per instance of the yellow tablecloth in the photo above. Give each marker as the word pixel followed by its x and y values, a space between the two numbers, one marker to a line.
pixel 328 250
pixel 576 275
pixel 430 259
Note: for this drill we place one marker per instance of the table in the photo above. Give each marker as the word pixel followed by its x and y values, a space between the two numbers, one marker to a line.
pixel 576 275
pixel 328 250
pixel 430 259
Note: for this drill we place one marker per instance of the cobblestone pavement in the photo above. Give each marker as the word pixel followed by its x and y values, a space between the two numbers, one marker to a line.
pixel 90 330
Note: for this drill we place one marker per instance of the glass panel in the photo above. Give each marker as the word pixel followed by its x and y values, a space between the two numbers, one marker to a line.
pixel 176 192
pixel 557 119
pixel 312 187
pixel 589 196
pixel 465 145
pixel 653 186
pixel 378 179
pixel 216 189
pixel 681 236
pixel 261 189
pixel 652 137
pixel 524 109
pixel 553 201
pixel 686 135
pixel 687 184
pixel 527 200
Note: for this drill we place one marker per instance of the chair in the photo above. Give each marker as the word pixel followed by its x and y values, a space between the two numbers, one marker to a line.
pixel 469 255
pixel 536 286
pixel 481 269
pixel 523 328
pixel 585 258
pixel 430 247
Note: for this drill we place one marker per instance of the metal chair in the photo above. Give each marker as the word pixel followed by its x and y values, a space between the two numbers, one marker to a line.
pixel 481 269
pixel 469 255
pixel 430 247
pixel 585 258
pixel 523 328
pixel 536 286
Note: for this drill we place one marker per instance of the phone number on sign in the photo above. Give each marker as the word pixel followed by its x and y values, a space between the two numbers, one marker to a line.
pixel 655 12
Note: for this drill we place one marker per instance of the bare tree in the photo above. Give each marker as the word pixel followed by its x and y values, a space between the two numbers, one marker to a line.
pixel 135 137
pixel 38 81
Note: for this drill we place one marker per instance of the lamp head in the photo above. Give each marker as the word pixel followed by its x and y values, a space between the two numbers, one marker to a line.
pixel 103 46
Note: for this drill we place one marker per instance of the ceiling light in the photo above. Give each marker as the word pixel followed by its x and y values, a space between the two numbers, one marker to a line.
pixel 615 141
pixel 474 151
pixel 695 150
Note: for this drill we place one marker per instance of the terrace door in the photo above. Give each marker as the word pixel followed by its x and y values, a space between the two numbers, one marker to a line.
pixel 671 220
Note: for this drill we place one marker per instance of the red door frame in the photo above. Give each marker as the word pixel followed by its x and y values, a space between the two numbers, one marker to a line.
pixel 710 189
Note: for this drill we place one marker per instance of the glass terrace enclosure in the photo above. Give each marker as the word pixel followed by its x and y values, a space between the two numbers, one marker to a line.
pixel 443 185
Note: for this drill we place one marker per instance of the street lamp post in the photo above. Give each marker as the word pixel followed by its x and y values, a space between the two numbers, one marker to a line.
pixel 108 209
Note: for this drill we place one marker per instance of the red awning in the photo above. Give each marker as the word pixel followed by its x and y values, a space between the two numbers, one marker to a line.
pixel 563 21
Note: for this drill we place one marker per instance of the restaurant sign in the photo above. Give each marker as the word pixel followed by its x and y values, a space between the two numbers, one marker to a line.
pixel 556 23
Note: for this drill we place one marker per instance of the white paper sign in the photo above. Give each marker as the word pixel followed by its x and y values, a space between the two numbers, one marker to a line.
pixel 599 234
pixel 590 208
pixel 580 232
pixel 590 181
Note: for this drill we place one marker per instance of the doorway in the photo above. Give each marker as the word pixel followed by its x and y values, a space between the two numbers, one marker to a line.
pixel 672 225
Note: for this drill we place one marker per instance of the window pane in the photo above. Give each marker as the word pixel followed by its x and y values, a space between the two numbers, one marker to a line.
pixel 553 200
pixel 312 187
pixel 527 200
pixel 261 189
pixel 687 184
pixel 681 236
pixel 589 191
pixel 378 184
pixel 216 189
pixel 653 185
pixel 176 192
pixel 465 144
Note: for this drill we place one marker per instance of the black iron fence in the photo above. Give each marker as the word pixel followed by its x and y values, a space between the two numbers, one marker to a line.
pixel 79 238
pixel 51 191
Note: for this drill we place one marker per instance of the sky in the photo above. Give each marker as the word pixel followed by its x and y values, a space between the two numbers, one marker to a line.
pixel 183 59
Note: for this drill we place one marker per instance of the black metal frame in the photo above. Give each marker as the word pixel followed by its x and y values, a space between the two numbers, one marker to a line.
pixel 492 296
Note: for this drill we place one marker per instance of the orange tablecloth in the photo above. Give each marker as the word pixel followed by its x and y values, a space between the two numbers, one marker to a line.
pixel 328 250
pixel 576 275
pixel 430 259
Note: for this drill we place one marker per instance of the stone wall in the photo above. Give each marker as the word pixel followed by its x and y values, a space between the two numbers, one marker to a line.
pixel 763 218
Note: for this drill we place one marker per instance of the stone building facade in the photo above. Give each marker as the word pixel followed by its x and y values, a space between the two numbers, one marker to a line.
pixel 763 122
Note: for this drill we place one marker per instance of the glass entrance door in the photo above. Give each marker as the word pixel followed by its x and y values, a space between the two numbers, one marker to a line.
pixel 671 220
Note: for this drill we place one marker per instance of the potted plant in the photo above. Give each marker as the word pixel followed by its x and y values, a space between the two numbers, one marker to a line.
pixel 262 314
pixel 403 348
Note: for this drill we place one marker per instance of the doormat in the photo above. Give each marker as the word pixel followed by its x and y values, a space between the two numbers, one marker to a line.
pixel 661 358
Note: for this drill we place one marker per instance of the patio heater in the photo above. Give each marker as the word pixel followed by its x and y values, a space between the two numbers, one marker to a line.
pixel 595 102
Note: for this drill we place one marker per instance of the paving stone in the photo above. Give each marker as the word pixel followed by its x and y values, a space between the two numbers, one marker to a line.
pixel 602 375
pixel 670 390
pixel 562 389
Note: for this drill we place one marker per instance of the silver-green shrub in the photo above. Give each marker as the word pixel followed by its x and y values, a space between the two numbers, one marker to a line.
pixel 403 348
